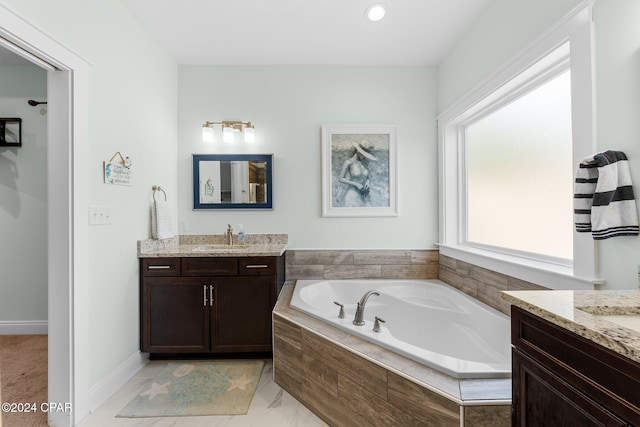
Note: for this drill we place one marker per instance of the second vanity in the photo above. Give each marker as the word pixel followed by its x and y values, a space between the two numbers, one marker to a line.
pixel 576 358
pixel 199 295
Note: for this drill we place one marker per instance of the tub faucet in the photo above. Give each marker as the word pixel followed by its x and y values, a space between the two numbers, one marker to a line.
pixel 359 319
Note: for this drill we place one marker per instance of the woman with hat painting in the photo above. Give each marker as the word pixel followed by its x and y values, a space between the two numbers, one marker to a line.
pixel 355 176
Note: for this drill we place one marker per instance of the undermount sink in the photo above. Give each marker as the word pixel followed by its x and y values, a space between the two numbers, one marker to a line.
pixel 215 248
pixel 629 321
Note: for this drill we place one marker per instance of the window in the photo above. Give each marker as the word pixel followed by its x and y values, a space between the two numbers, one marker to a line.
pixel 519 181
pixel 508 153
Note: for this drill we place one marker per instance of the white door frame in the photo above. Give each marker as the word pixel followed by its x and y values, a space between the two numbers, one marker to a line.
pixel 67 213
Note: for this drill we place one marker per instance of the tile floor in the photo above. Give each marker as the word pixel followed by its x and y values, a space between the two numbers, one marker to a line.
pixel 271 406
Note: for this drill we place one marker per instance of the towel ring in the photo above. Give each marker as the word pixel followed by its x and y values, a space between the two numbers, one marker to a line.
pixel 158 188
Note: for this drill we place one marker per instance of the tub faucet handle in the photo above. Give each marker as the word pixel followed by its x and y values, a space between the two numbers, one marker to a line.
pixel 376 325
pixel 341 315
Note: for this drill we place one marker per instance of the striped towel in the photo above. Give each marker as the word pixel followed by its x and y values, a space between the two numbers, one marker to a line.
pixel 603 197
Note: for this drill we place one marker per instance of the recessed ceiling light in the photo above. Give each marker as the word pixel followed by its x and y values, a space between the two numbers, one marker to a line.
pixel 375 12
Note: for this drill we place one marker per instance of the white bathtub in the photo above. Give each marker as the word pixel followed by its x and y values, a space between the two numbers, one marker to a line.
pixel 426 320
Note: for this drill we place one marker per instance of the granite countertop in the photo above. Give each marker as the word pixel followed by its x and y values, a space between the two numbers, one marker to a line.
pixel 581 312
pixel 213 245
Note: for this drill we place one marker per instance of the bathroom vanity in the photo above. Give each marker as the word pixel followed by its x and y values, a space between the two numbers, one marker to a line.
pixel 576 358
pixel 200 296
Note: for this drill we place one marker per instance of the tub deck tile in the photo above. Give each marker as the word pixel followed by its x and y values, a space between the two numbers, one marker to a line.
pixel 429 407
pixel 375 409
pixel 317 374
pixel 367 374
pixel 487 416
pixel 481 389
pixel 334 412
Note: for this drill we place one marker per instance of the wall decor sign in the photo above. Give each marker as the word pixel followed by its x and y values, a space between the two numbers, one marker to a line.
pixel 359 170
pixel 11 132
pixel 117 171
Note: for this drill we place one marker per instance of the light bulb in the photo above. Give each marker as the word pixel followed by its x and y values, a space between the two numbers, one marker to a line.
pixel 227 134
pixel 249 133
pixel 207 134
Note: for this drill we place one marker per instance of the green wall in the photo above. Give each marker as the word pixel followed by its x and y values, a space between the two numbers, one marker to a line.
pixel 288 106
pixel 23 198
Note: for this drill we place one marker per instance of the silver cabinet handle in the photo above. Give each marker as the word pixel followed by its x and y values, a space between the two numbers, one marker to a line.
pixel 158 267
pixel 204 289
pixel 257 266
pixel 211 295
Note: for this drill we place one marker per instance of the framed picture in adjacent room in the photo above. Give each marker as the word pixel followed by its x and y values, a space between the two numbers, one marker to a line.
pixel 10 132
pixel 359 170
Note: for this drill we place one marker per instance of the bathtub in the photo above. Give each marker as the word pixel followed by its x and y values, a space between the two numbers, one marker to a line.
pixel 425 320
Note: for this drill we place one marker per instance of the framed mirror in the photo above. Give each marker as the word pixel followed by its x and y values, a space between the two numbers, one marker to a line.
pixel 232 181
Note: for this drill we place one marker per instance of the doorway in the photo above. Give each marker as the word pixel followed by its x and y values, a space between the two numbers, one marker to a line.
pixel 67 202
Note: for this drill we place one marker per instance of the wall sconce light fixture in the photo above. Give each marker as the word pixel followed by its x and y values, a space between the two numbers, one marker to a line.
pixel 229 130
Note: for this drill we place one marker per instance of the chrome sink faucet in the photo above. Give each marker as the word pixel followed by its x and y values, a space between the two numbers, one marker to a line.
pixel 228 235
pixel 359 319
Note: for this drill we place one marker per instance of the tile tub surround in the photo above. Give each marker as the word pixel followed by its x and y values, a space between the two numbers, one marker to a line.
pixel 577 311
pixel 185 245
pixel 362 264
pixel 348 381
pixel 480 283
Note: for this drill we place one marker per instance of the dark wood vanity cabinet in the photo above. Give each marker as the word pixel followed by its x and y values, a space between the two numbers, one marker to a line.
pixel 562 379
pixel 207 304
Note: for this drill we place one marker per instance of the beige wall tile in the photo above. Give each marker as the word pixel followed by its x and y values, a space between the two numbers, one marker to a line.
pixel 352 272
pixel 322 257
pixel 382 257
pixel 300 272
pixel 416 272
pixel 425 257
pixel 447 262
pixel 514 284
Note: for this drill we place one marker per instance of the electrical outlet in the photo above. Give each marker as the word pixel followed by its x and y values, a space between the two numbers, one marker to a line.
pixel 99 215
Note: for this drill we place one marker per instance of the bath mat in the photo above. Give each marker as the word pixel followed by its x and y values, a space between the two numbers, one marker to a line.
pixel 190 388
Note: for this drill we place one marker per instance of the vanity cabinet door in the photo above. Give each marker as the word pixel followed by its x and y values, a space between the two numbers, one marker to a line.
pixel 175 315
pixel 242 313
pixel 544 399
pixel 562 379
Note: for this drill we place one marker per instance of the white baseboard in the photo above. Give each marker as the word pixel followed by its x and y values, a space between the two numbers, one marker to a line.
pixel 24 327
pixel 99 393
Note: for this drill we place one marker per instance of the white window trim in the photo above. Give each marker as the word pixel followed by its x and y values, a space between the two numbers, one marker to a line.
pixel 576 28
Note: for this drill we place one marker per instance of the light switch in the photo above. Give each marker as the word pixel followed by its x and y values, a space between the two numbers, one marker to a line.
pixel 99 215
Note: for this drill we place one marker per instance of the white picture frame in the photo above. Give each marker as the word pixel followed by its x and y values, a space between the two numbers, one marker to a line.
pixel 359 170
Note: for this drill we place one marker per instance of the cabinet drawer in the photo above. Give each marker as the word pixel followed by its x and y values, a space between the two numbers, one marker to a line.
pixel 209 266
pixel 160 266
pixel 257 266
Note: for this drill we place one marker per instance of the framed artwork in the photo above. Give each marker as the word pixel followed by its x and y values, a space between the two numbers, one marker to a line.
pixel 359 171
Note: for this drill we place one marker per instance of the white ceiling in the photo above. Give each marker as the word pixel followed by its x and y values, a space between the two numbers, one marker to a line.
pixel 305 32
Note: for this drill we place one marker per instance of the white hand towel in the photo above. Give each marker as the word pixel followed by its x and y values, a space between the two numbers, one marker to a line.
pixel 161 221
pixel 603 197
